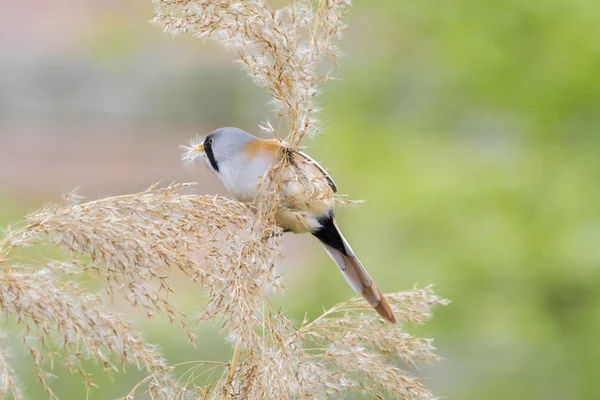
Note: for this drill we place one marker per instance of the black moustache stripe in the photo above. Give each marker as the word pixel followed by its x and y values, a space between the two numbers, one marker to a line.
pixel 211 156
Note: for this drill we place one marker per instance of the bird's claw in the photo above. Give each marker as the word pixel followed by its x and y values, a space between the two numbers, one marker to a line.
pixel 275 233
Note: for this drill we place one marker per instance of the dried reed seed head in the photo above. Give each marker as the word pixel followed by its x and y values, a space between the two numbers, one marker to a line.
pixel 8 380
pixel 60 315
pixel 131 242
pixel 343 350
pixel 280 48
pixel 190 153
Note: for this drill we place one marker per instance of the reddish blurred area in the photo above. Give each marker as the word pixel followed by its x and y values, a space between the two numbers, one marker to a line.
pixel 90 93
pixel 40 161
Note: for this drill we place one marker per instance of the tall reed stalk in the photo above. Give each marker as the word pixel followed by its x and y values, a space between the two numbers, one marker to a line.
pixel 131 244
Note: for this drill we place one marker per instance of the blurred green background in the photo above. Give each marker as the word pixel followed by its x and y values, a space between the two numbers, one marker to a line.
pixel 469 127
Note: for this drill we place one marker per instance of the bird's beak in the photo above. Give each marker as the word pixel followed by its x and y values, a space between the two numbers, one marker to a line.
pixel 199 147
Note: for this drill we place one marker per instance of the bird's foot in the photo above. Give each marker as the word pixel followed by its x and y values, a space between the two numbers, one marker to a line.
pixel 275 233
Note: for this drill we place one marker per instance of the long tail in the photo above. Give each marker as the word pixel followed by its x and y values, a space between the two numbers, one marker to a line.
pixel 357 276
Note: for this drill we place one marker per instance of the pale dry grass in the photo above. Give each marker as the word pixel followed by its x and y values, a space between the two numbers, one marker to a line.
pixel 132 243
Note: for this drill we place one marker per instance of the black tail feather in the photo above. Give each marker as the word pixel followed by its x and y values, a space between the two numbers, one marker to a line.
pixel 329 234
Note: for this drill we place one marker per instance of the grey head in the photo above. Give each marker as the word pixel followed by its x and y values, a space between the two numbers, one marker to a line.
pixel 223 143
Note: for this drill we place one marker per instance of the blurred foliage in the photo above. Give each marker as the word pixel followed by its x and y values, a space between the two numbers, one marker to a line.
pixel 471 130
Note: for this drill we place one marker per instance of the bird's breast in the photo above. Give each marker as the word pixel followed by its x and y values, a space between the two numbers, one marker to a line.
pixel 241 176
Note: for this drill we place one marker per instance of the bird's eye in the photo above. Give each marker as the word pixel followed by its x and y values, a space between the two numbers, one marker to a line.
pixel 211 140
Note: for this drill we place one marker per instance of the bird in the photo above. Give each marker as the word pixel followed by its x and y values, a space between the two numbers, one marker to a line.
pixel 241 160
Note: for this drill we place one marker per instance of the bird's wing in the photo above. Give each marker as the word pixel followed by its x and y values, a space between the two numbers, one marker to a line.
pixel 294 156
pixel 304 158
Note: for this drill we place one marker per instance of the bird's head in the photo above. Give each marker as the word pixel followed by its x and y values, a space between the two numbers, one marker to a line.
pixel 218 146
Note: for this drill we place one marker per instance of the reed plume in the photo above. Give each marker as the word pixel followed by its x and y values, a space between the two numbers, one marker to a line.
pixel 132 243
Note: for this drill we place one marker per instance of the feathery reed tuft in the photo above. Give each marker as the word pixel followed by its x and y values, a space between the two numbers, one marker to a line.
pixel 280 48
pixel 131 243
